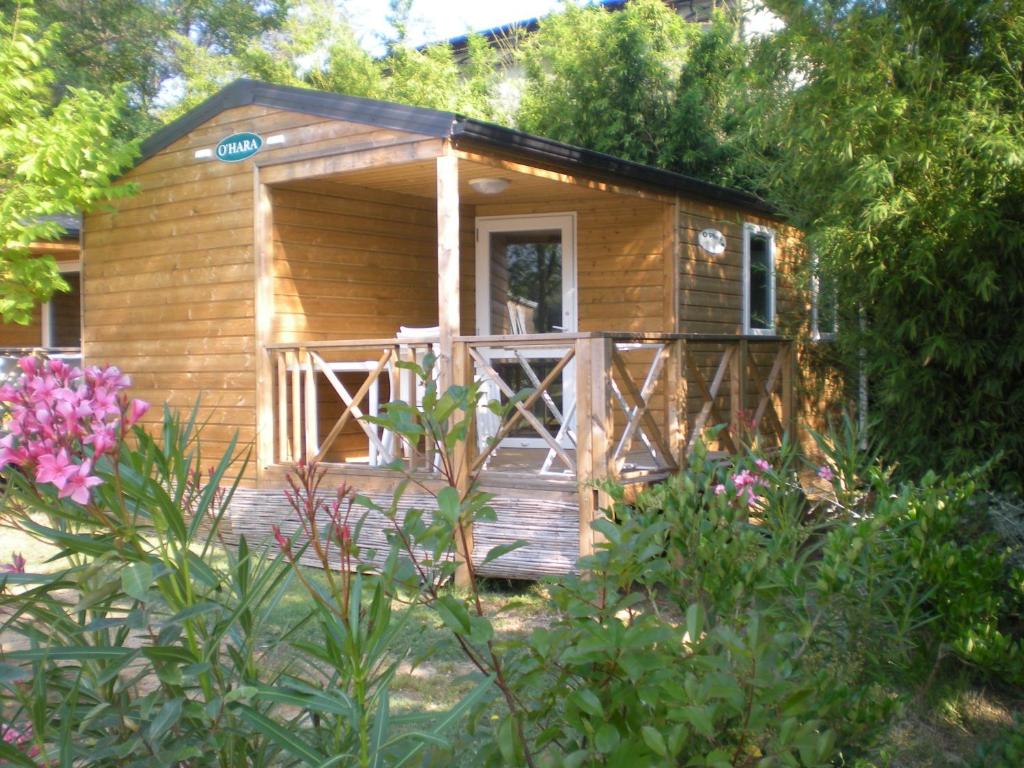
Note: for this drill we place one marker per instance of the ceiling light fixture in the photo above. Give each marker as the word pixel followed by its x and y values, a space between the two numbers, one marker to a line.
pixel 489 185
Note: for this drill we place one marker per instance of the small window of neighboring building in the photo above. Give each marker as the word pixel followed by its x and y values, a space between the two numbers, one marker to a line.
pixel 62 314
pixel 758 280
pixel 824 312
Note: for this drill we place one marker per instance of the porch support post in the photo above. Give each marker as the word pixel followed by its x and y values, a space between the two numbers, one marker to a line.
pixel 675 395
pixel 789 377
pixel 462 460
pixel 447 261
pixel 595 430
pixel 453 359
pixel 738 418
pixel 263 255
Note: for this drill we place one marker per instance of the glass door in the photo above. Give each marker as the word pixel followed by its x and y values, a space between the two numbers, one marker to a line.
pixel 525 285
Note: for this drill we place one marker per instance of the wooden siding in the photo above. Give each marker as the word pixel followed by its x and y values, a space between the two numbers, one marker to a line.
pixel 711 293
pixel 168 278
pixel 17 335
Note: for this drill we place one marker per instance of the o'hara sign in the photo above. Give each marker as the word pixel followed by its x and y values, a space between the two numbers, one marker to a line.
pixel 237 147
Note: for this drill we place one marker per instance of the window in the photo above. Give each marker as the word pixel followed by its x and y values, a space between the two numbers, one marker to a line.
pixel 62 314
pixel 824 312
pixel 758 280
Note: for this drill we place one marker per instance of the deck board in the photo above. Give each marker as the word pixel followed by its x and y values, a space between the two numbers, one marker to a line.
pixel 548 519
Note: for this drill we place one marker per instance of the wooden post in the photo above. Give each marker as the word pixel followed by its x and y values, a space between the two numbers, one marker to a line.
pixel 789 419
pixel 594 433
pixel 447 262
pixel 677 427
pixel 282 407
pixel 263 256
pixel 311 409
pixel 738 391
pixel 295 359
pixel 462 460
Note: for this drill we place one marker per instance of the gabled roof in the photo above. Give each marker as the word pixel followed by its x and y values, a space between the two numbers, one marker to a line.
pixel 458 129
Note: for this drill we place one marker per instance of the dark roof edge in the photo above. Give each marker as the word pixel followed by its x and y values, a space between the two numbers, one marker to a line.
pixel 567 155
pixel 244 92
pixel 443 125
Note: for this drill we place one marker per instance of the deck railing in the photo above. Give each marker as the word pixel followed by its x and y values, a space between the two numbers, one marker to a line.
pixel 597 405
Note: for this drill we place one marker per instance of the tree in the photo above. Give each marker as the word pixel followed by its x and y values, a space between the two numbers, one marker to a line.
pixel 606 80
pixel 892 133
pixel 139 45
pixel 54 159
pixel 638 83
pixel 316 46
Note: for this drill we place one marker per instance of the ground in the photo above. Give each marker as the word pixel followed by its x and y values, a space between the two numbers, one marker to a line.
pixel 942 725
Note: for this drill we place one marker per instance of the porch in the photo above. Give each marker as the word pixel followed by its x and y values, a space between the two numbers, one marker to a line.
pixel 637 406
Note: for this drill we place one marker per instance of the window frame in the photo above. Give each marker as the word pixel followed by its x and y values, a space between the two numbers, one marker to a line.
pixel 45 315
pixel 816 332
pixel 750 231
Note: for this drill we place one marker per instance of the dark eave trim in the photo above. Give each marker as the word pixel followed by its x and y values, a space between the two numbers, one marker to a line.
pixel 443 125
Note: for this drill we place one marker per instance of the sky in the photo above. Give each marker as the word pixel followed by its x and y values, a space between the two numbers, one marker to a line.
pixel 436 20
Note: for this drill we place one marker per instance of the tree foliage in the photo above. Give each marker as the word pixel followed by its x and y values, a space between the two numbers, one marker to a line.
pixel 606 80
pixel 639 83
pixel 142 44
pixel 54 159
pixel 892 133
pixel 316 47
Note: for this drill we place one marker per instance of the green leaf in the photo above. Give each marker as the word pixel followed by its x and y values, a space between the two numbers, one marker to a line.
pixel 73 653
pixel 454 614
pixel 448 505
pixel 607 738
pixel 281 736
pixel 168 715
pixel 587 701
pixel 654 740
pixel 136 580
pixel 503 549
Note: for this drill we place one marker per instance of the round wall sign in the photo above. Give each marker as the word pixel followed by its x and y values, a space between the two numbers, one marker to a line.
pixel 238 147
pixel 712 241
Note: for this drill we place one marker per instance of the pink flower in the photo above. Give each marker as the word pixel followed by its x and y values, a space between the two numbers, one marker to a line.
pixel 825 473
pixel 54 468
pixel 18 738
pixel 743 479
pixel 102 440
pixel 78 483
pixel 136 410
pixel 11 453
pixel 282 542
pixel 719 489
pixel 17 564
pixel 763 465
pixel 28 365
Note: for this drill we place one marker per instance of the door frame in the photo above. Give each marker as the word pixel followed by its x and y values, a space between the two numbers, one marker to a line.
pixel 486 225
pixel 566 222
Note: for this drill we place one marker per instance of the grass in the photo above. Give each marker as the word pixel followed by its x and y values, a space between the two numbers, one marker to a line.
pixel 948 724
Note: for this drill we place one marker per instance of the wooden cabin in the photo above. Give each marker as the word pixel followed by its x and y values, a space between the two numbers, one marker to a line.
pixel 281 239
pixel 55 327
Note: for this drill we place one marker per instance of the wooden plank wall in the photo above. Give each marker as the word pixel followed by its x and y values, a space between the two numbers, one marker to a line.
pixel 17 335
pixel 352 262
pixel 711 289
pixel 168 280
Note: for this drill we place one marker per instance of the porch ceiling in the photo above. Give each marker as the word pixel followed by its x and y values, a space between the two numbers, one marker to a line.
pixel 419 178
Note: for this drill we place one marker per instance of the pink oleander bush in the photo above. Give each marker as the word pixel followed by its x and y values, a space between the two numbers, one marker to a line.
pixel 155 639
pixel 61 420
